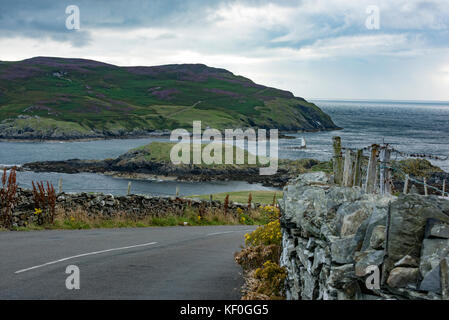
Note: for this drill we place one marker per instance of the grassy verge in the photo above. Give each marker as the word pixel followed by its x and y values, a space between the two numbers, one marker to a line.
pixel 264 197
pixel 259 259
pixel 80 219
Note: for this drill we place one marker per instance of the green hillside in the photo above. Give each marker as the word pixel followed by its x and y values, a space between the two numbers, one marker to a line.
pixel 49 98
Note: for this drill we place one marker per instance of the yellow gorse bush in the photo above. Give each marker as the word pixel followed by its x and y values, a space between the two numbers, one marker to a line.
pixel 272 278
pixel 265 235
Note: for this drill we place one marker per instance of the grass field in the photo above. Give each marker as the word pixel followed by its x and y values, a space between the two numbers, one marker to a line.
pixel 263 197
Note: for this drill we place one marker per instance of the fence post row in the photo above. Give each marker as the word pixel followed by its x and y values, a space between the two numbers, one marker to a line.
pixel 379 178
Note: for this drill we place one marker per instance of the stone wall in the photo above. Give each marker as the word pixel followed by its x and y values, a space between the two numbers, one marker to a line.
pixel 104 205
pixel 336 238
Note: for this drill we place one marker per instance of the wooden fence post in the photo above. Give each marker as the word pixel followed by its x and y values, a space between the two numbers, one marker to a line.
pixel 385 173
pixel 337 161
pixel 358 169
pixel 444 187
pixel 405 184
pixel 372 169
pixel 348 169
pixel 425 187
pixel 60 185
pixel 129 188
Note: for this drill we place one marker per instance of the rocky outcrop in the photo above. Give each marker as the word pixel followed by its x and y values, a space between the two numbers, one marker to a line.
pixel 340 243
pixel 192 172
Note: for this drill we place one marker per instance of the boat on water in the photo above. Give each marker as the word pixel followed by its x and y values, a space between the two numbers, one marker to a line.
pixel 303 143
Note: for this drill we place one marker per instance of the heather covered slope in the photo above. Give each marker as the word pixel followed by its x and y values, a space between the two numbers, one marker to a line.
pixel 59 98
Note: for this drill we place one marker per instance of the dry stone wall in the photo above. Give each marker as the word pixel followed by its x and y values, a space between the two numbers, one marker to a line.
pixel 107 205
pixel 340 243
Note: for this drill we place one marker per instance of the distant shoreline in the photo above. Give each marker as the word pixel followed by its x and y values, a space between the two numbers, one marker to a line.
pixel 282 135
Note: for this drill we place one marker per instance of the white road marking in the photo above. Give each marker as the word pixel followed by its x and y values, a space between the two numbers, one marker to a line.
pixel 85 254
pixel 215 233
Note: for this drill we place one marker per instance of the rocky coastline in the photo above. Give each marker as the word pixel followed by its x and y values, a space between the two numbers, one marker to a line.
pixel 166 171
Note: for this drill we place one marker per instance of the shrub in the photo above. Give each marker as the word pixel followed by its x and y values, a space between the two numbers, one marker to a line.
pixel 265 235
pixel 44 202
pixel 266 283
pixel 253 257
pixel 272 279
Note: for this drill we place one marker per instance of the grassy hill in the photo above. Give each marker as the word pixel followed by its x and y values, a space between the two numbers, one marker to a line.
pixel 54 98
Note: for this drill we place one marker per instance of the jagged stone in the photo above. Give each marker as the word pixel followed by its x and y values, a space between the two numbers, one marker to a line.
pixel 433 251
pixel 401 277
pixel 407 261
pixel 367 258
pixel 351 215
pixel 319 258
pixel 378 237
pixel 309 284
pixel 431 281
pixel 339 276
pixel 436 229
pixel 378 218
pixel 342 250
pixel 408 216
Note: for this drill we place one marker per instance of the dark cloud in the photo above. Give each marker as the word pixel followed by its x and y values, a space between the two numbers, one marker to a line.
pixel 46 18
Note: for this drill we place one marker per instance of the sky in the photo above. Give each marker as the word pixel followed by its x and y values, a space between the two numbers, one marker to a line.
pixel 317 49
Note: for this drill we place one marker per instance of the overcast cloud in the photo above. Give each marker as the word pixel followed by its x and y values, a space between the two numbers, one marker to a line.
pixel 314 48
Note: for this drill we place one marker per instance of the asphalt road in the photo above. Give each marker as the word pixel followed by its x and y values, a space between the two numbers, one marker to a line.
pixel 141 263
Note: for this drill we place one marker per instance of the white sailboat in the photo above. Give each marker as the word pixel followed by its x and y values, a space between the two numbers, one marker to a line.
pixel 303 144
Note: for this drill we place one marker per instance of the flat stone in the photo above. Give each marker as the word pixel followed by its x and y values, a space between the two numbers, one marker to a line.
pixel 437 229
pixel 401 277
pixel 407 261
pixel 431 281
